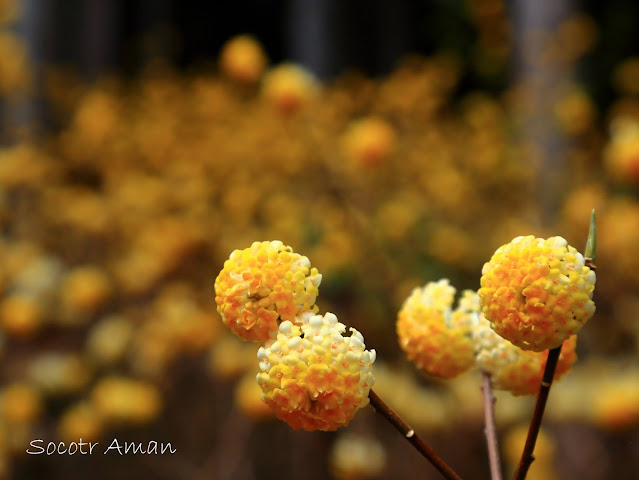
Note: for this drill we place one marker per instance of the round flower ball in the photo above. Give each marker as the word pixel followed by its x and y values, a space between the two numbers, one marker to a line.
pixel 262 286
pixel 312 376
pixel 243 59
pixel 288 87
pixel 434 337
pixel 21 316
pixel 537 293
pixel 83 292
pixel 20 404
pixel 80 420
pixel 369 142
pixel 517 371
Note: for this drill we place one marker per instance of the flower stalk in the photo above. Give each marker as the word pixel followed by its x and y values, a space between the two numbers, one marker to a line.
pixel 527 457
pixel 489 430
pixel 412 437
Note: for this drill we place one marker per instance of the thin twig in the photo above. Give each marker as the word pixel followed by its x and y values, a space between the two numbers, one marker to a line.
pixel 590 255
pixel 490 430
pixel 410 435
pixel 527 456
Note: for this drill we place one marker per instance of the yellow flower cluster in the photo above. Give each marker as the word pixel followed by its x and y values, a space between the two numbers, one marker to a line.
pixel 263 285
pixel 314 377
pixel 511 368
pixel 537 293
pixel 436 338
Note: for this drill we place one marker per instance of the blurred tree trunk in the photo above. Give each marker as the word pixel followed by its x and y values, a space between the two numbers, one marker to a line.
pixel 99 37
pixel 311 36
pixel 330 36
pixel 24 113
pixel 542 77
pixel 156 38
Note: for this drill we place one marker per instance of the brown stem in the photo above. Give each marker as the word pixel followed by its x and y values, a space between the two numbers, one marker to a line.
pixel 410 435
pixel 527 456
pixel 490 430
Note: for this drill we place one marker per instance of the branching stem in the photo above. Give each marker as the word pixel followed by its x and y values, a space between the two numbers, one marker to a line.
pixel 489 430
pixel 527 456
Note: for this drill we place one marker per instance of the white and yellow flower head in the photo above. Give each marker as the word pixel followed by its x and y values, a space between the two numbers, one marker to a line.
pixel 537 293
pixel 263 285
pixel 314 377
pixel 518 371
pixel 434 337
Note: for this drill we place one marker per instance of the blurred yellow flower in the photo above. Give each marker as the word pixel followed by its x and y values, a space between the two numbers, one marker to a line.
pixel 575 112
pixel 20 404
pixel 289 87
pixel 10 10
pixel 621 155
pixel 545 451
pixel 357 457
pixel 243 59
pixel 615 407
pixel 80 420
pixel 511 368
pixel 230 358
pixel 84 290
pixel 434 337
pixel 121 400
pixel 248 398
pixel 368 142
pixel 15 70
pixel 59 373
pixel 109 339
pixel 626 76
pixel 20 315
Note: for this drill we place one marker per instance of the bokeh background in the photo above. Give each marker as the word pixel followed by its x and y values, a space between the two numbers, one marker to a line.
pixel 391 142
